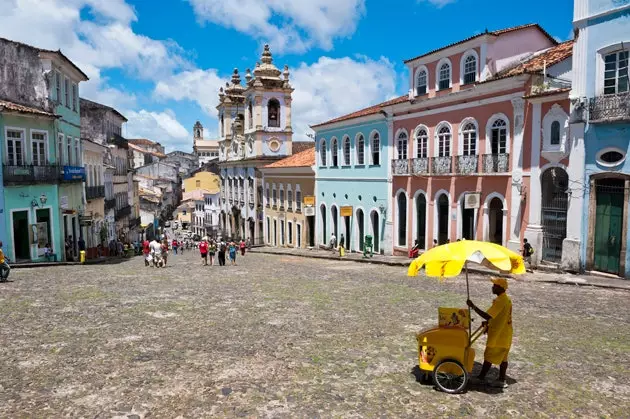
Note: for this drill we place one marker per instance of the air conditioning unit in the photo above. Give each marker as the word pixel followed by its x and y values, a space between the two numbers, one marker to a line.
pixel 472 200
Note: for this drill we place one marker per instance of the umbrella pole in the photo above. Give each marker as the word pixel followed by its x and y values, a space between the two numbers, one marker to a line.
pixel 468 298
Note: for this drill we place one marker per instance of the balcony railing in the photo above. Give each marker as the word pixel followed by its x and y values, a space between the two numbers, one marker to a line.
pixel 466 165
pixel 420 166
pixel 30 174
pixel 400 167
pixel 610 108
pixel 496 163
pixel 94 192
pixel 122 213
pixel 110 204
pixel 72 174
pixel 441 165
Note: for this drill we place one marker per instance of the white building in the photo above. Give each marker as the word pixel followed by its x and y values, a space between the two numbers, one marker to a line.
pixel 206 150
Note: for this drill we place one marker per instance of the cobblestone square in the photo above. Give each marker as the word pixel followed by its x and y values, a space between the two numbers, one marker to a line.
pixel 279 336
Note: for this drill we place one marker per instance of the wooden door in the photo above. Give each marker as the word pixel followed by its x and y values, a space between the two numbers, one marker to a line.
pixel 608 222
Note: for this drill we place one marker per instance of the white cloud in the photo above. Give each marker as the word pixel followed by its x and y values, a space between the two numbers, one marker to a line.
pixel 438 3
pixel 288 25
pixel 161 127
pixel 333 87
pixel 200 86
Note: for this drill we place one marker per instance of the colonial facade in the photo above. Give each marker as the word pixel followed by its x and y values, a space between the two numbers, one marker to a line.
pixel 600 116
pixel 289 197
pixel 206 150
pixel 353 180
pixel 255 129
pixel 94 217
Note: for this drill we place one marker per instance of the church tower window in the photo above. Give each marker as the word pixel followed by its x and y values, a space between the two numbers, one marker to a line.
pixel 273 113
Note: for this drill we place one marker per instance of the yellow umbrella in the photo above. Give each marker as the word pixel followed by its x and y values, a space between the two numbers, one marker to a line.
pixel 449 259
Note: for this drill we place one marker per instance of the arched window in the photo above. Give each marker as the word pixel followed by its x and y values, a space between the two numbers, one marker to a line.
pixel 445 76
pixel 469 139
pixel 421 143
pixel 346 151
pixel 376 149
pixel 402 219
pixel 273 113
pixel 401 146
pixel 555 133
pixel 333 152
pixel 322 153
pixel 250 115
pixel 498 137
pixel 470 69
pixel 444 142
pixel 360 146
pixel 421 84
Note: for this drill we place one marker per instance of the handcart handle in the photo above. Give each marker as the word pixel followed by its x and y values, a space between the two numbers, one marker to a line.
pixel 478 332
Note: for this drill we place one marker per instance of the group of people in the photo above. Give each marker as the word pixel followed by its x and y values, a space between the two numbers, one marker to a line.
pixel 208 249
pixel 155 253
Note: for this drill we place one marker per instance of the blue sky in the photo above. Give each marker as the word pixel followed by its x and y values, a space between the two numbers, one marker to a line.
pixel 161 62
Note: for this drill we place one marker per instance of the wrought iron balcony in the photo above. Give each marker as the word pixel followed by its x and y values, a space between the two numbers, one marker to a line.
pixel 609 108
pixel 441 165
pixel 400 167
pixel 420 166
pixel 466 165
pixel 94 192
pixel 122 213
pixel 110 204
pixel 24 175
pixel 496 163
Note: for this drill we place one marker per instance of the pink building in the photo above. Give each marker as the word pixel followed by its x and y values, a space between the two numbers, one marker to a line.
pixel 464 152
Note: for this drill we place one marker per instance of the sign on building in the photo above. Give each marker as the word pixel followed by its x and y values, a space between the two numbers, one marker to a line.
pixel 309 211
pixel 309 200
pixel 346 211
pixel 472 200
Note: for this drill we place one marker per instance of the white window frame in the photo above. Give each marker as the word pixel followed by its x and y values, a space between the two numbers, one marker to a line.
pixel 462 66
pixel 347 153
pixel 437 74
pixel 489 125
pixel 45 141
pixel 281 195
pixel 437 140
pixel 417 81
pixel 289 196
pixel 22 145
pixel 600 64
pixel 360 151
pixel 416 136
pixel 60 150
pixel 66 91
pixel 334 152
pixel 375 134
pixel 75 95
pixel 57 87
pixel 402 153
pixel 462 133
pixel 298 198
pixel 555 114
pixel 77 152
pixel 322 155
pixel 69 149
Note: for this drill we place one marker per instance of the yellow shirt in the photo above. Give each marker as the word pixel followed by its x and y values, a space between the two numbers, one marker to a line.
pixel 1 256
pixel 500 326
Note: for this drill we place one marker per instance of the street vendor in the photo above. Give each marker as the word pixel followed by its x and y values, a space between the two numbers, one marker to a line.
pixel 499 321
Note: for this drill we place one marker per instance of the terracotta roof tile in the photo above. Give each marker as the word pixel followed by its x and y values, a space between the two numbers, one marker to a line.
pixel 14 107
pixel 549 93
pixel 495 33
pixel 537 62
pixel 141 141
pixel 305 158
pixel 371 110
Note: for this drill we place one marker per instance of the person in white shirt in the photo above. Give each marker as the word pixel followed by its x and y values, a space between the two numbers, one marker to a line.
pixel 156 252
pixel 333 242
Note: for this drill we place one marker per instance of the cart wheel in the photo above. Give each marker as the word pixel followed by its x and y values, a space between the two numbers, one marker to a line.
pixel 450 376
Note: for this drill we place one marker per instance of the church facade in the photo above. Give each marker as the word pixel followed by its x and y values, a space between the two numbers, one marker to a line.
pixel 206 150
pixel 255 130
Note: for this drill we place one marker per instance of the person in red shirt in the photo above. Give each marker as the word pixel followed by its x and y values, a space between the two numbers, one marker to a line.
pixel 145 251
pixel 203 249
pixel 242 247
pixel 174 246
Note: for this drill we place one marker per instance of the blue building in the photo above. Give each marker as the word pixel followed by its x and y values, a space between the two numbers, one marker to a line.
pixel 601 108
pixel 352 179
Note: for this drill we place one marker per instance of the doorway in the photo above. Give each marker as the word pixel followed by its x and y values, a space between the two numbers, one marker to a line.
pixel 376 240
pixel 609 196
pixel 555 203
pixel 360 222
pixel 298 235
pixel 495 221
pixel 252 229
pixel 443 220
pixel 401 201
pixel 268 230
pixel 21 242
pixel 421 221
pixel 43 216
pixel 275 232
pixel 322 210
pixel 468 222
pixel 347 242
pixel 311 230
pixel 333 214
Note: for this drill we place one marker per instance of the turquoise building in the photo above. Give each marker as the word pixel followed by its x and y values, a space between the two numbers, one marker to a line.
pixel 600 109
pixel 353 180
pixel 42 173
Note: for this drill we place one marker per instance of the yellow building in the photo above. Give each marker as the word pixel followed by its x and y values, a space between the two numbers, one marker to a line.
pixel 289 188
pixel 203 180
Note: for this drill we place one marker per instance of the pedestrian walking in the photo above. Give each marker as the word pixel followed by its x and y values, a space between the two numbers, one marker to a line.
pixel 174 246
pixel 242 247
pixel 164 252
pixel 222 249
pixel 203 250
pixel 528 251
pixel 146 251
pixel 232 253
pixel 212 249
pixel 156 253
pixel 4 266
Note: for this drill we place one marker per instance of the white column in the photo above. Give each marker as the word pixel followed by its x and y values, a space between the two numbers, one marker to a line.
pixel 516 216
pixel 533 233
pixel 572 243
pixel 387 240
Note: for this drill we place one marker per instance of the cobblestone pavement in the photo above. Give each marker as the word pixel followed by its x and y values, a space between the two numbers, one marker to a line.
pixel 281 336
